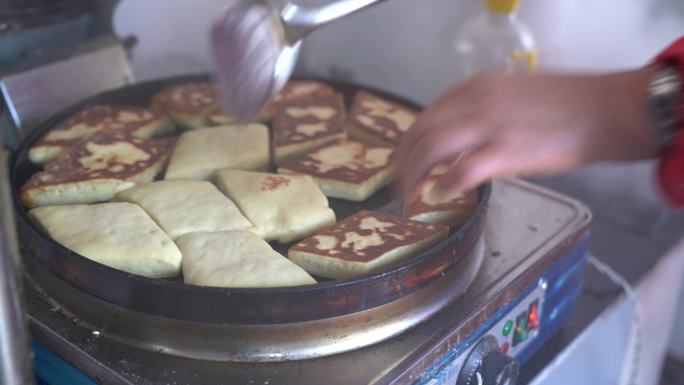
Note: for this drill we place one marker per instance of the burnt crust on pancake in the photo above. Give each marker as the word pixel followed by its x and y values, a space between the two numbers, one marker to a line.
pixel 429 207
pixel 295 90
pixel 190 104
pixel 137 121
pixel 81 163
pixel 379 121
pixel 306 124
pixel 222 118
pixel 366 236
pixel 362 162
pixel 306 120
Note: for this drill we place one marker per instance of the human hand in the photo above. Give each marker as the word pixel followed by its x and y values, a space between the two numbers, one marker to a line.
pixel 524 125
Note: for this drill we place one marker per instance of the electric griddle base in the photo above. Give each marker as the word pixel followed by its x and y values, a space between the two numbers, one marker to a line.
pixel 534 249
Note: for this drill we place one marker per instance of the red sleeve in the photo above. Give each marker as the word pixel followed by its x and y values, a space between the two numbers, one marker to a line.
pixel 671 168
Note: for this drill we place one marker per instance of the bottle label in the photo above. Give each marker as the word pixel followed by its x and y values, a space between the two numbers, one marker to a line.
pixel 522 61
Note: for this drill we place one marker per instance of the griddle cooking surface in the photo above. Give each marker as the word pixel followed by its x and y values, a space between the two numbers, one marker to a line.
pixel 174 299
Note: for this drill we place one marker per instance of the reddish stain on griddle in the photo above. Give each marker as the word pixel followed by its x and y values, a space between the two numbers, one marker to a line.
pixel 496 254
pixel 273 182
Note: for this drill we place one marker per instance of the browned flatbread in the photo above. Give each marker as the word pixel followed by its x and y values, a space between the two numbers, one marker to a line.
pixel 378 121
pixel 222 118
pixel 295 90
pixel 345 169
pixel 306 124
pixel 188 104
pixel 97 168
pixel 364 242
pixel 135 121
pixel 431 207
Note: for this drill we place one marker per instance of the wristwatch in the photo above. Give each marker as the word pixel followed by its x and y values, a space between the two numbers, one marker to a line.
pixel 665 110
pixel 664 105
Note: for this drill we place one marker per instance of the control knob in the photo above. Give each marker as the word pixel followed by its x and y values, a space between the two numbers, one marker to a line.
pixel 488 365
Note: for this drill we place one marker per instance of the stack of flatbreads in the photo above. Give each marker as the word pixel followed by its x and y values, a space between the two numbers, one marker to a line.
pixel 122 186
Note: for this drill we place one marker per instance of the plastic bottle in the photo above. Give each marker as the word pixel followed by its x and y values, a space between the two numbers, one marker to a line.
pixel 495 41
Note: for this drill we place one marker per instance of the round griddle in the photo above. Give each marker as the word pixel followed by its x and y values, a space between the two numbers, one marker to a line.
pixel 159 300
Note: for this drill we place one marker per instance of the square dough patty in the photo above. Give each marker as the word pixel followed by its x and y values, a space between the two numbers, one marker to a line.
pixel 120 235
pixel 285 208
pixel 364 242
pixel 199 153
pixel 186 206
pixel 236 259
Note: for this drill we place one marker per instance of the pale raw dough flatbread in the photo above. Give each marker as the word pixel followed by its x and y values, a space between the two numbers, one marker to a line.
pixel 200 152
pixel 120 235
pixel 236 259
pixel 282 207
pixel 186 206
pixel 364 242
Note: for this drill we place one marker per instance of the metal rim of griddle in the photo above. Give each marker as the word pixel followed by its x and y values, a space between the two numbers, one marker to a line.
pixel 257 343
pixel 258 306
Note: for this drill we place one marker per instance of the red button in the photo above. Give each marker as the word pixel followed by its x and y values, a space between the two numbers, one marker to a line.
pixel 533 319
pixel 504 347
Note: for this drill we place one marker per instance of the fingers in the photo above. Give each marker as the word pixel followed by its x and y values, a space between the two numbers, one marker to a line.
pixel 444 110
pixel 473 170
pixel 436 145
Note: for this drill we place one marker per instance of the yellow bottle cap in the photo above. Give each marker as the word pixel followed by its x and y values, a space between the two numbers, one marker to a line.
pixel 502 6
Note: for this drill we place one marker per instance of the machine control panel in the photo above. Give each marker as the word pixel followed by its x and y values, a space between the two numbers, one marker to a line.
pixel 518 326
pixel 490 360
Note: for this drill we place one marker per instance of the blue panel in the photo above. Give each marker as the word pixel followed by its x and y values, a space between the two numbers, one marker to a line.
pixel 564 286
pixel 53 370
pixel 564 280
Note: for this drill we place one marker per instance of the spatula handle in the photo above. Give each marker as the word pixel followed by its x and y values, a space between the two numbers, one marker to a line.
pixel 302 20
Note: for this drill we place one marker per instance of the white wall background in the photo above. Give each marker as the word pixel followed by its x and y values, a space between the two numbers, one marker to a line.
pixel 403 45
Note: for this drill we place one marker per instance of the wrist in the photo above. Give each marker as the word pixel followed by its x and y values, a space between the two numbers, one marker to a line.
pixel 625 114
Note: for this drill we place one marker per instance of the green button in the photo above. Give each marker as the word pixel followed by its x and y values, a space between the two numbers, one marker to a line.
pixel 520 336
pixel 508 327
pixel 520 333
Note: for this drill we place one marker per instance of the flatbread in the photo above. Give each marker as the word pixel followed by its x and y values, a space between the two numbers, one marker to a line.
pixel 282 208
pixel 306 124
pixel 223 119
pixel 364 242
pixel 120 235
pixel 345 169
pixel 201 152
pixel 431 207
pixel 135 121
pixel 97 168
pixel 295 90
pixel 188 104
pixel 186 206
pixel 236 259
pixel 379 121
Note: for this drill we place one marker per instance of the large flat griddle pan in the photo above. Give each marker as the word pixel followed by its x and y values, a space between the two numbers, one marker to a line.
pixel 173 299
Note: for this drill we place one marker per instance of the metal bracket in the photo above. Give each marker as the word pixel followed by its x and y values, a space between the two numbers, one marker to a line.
pixel 32 95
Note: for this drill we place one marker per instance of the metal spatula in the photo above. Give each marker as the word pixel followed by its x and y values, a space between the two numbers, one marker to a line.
pixel 256 48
